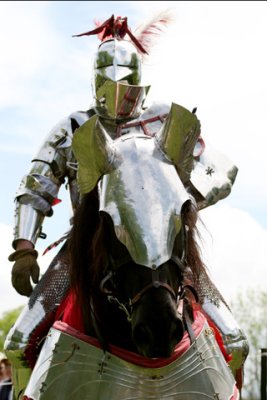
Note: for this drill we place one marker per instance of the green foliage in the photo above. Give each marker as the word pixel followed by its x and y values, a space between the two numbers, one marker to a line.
pixel 6 322
pixel 250 310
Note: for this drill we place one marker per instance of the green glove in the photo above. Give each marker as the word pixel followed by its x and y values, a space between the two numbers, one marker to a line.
pixel 25 267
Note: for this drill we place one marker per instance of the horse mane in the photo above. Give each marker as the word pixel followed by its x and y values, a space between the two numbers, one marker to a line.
pixel 87 252
pixel 196 267
pixel 194 260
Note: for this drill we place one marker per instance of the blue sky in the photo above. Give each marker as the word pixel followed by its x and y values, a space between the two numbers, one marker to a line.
pixel 212 57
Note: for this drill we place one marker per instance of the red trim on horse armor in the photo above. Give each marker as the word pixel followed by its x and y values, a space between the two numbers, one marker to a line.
pixel 69 313
pixel 135 358
pixel 235 395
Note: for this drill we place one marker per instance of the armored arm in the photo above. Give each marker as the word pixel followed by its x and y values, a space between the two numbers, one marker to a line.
pixel 39 188
pixel 50 168
pixel 36 195
pixel 212 176
pixel 34 199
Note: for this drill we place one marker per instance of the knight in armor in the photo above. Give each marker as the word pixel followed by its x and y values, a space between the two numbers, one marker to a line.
pixel 119 104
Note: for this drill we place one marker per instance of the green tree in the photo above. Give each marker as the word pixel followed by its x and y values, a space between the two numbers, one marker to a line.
pixel 250 310
pixel 6 322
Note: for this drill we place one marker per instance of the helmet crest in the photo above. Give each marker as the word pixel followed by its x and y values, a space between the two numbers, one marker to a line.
pixel 118 65
pixel 145 34
pixel 114 28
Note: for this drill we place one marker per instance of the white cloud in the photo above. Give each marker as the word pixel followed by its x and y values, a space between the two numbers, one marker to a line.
pixel 28 37
pixel 45 73
pixel 234 248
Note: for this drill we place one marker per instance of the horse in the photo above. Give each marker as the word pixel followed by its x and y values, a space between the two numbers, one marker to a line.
pixel 117 303
pixel 130 329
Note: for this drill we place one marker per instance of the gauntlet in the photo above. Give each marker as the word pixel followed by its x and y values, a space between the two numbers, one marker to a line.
pixel 25 267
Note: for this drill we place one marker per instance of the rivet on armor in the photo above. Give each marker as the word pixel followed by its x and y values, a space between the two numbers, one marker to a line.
pixel 209 331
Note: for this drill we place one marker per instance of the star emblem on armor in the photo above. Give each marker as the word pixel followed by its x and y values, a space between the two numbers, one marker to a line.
pixel 209 171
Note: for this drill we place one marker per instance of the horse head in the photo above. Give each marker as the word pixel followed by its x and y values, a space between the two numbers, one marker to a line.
pixel 143 208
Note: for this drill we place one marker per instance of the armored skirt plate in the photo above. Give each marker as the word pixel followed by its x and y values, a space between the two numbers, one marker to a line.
pixel 70 368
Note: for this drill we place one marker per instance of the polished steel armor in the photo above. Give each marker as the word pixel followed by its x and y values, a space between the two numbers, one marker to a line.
pixel 177 139
pixel 133 199
pixel 80 369
pixel 120 101
pixel 204 178
pixel 116 81
pixel 52 165
pixel 207 177
pixel 116 60
pixel 212 176
pixel 55 160
pixel 137 198
pixel 234 340
pixel 28 222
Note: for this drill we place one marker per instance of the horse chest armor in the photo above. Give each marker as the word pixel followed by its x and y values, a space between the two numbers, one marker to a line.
pixel 197 372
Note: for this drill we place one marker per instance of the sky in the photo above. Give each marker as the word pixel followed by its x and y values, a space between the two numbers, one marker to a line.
pixel 212 57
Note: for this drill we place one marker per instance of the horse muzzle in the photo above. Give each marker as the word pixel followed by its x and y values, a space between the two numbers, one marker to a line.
pixel 156 331
pixel 151 343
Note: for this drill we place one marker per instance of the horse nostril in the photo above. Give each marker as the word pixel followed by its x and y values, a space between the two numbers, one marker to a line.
pixel 141 334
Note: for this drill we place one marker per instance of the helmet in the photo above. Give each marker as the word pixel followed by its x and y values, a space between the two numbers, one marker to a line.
pixel 117 71
pixel 117 60
pixel 116 80
pixel 117 66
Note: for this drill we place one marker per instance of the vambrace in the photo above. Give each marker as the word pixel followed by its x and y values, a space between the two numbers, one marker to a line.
pixel 28 223
pixel 39 188
pixel 212 177
pixel 33 202
pixel 234 339
pixel 214 306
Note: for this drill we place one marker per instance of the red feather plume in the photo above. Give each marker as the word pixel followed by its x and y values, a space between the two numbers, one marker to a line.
pixel 144 36
pixel 115 28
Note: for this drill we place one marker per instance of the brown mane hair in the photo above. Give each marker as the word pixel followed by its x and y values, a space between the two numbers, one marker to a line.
pixel 190 218
pixel 87 252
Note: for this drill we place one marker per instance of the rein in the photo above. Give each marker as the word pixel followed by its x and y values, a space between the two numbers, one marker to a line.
pixel 155 284
pixel 127 307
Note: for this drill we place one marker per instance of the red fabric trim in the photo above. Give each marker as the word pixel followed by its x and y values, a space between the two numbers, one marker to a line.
pixel 239 378
pixel 131 357
pixel 235 395
pixel 219 340
pixel 70 313
pixel 217 333
pixel 56 201
pixel 143 124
